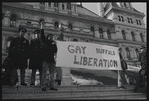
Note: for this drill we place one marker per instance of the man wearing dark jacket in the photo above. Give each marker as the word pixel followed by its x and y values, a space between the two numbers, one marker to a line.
pixel 48 54
pixel 35 56
pixel 19 50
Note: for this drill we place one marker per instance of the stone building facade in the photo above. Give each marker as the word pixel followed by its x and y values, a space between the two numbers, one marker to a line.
pixel 117 24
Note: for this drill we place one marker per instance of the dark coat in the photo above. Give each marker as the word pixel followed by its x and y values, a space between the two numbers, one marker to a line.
pixel 8 65
pixel 35 54
pixel 19 51
pixel 49 49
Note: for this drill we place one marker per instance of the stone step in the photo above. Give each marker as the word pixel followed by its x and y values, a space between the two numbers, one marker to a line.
pixel 105 95
pixel 70 92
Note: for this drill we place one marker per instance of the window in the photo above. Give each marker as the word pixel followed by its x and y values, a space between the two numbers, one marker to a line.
pixel 138 22
pixel 131 20
pixel 63 7
pixel 42 3
pixel 92 30
pixel 9 39
pixel 69 6
pixel 75 39
pixel 101 33
pixel 70 26
pixel 141 35
pixel 41 20
pixel 55 4
pixel 119 18
pixel 109 34
pixel 137 53
pixel 13 19
pixel 128 53
pixel 133 36
pixel 123 34
pixel 56 24
pixel 122 18
pixel 49 4
pixel 128 20
pixel 2 16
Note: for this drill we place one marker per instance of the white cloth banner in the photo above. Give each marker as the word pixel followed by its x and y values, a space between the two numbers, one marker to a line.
pixel 87 55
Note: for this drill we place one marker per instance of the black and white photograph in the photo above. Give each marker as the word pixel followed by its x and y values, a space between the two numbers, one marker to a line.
pixel 74 50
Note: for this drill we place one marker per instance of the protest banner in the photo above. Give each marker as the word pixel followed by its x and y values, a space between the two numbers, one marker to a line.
pixel 88 56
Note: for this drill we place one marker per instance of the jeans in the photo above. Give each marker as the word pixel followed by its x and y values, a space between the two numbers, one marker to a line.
pixel 51 68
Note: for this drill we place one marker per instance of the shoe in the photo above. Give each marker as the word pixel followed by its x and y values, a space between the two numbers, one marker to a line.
pixel 24 84
pixel 122 87
pixel 44 89
pixel 135 89
pixel 53 89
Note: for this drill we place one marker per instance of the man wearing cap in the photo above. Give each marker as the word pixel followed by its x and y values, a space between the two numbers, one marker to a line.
pixel 35 56
pixel 19 50
pixel 49 54
pixel 140 83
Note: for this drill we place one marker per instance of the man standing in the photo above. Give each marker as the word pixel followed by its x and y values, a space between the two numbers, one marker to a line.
pixel 140 82
pixel 122 75
pixel 20 52
pixel 49 55
pixel 35 56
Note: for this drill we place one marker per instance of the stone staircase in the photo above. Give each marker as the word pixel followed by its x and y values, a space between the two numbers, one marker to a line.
pixel 72 92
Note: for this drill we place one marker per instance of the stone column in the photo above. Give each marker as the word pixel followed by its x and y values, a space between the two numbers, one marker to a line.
pixel 97 34
pixel 52 5
pixel 132 54
pixel 144 36
pixel 124 53
pixel 113 36
pixel 105 35
pixel 66 77
pixel 6 21
pixel 46 6
pixel 60 6
pixel 128 35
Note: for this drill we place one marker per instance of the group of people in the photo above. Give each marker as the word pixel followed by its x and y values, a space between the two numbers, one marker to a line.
pixel 138 79
pixel 40 51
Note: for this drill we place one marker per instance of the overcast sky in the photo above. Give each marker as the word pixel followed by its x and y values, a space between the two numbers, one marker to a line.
pixel 140 6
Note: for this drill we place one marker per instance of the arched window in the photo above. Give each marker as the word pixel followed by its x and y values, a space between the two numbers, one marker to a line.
pixel 92 30
pixel 9 39
pixel 141 35
pixel 69 6
pixel 101 32
pixel 109 34
pixel 75 39
pixel 133 36
pixel 40 20
pixel 56 24
pixel 137 53
pixel 13 19
pixel 70 26
pixel 63 8
pixel 128 53
pixel 123 34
